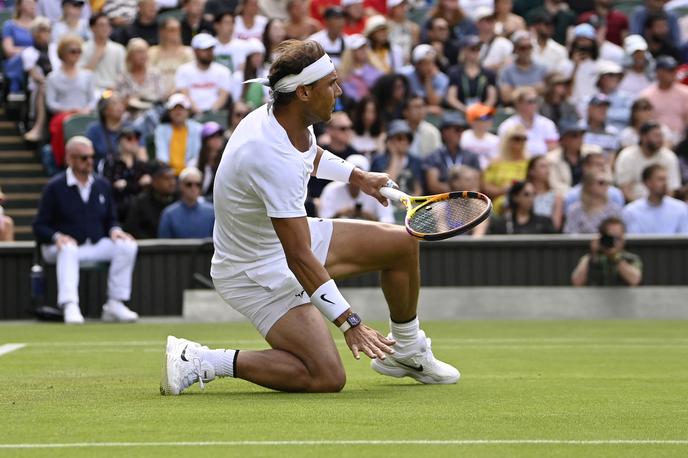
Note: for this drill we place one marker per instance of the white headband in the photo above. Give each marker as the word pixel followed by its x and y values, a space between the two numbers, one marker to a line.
pixel 318 69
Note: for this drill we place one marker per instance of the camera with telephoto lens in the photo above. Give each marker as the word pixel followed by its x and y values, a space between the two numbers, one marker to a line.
pixel 607 241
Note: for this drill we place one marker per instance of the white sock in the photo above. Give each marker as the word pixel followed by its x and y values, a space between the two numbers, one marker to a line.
pixel 405 333
pixel 222 361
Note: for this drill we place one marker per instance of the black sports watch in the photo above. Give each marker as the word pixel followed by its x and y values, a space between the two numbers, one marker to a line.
pixel 352 320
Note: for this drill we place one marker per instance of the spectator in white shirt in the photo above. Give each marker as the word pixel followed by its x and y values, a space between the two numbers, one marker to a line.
pixel 496 50
pixel 229 51
pixel 478 139
pixel 547 52
pixel 345 200
pixel 102 56
pixel 426 137
pixel 631 162
pixel 331 37
pixel 206 83
pixel 638 74
pixel 248 23
pixel 72 21
pixel 657 213
pixel 542 133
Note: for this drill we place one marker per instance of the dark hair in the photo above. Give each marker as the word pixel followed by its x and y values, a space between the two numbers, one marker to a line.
pixel 250 72
pixel 357 117
pixel 221 15
pixel 650 170
pixel 612 220
pixel 93 19
pixel 648 126
pixel 594 52
pixel 384 88
pixel 654 17
pixel 531 165
pixel 637 105
pixel 413 96
pixel 514 190
pixel 165 22
pixel 204 159
pixel 266 40
pixel 292 56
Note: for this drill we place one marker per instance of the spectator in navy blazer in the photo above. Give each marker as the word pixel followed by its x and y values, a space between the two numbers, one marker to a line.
pixel 76 222
pixel 437 165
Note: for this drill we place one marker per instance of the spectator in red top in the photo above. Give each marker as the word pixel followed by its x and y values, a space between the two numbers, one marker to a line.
pixel 354 14
pixel 617 22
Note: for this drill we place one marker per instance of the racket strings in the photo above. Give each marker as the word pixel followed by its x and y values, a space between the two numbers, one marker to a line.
pixel 447 215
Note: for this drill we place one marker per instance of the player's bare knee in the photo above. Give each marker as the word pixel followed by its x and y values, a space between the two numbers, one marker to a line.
pixel 330 382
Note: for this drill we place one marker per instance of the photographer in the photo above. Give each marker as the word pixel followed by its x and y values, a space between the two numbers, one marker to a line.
pixel 608 264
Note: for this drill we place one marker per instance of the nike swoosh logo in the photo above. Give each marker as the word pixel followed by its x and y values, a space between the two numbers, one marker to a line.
pixel 322 296
pixel 415 368
pixel 184 355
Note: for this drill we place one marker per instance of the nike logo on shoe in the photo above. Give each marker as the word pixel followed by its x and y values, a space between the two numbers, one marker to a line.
pixel 322 297
pixel 184 355
pixel 415 368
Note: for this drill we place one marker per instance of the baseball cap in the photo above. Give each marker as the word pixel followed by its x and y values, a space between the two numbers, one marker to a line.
pixel 177 100
pixel 359 161
pixel 584 31
pixel 633 43
pixel 483 12
pixel 158 168
pixel 423 51
pixel 666 63
pixel 397 127
pixel 568 127
pixel 520 35
pixel 346 3
pixel 73 2
pixel 479 112
pixel 393 3
pixel 356 41
pixel 599 99
pixel 540 17
pixel 605 67
pixel 252 46
pixel 203 41
pixel 127 131
pixel 453 119
pixel 211 128
pixel 333 11
pixel 468 41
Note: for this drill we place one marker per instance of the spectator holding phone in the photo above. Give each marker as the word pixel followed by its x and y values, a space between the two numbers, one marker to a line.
pixel 607 263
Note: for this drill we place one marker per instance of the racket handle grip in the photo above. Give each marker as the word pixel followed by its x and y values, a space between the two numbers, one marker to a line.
pixel 392 194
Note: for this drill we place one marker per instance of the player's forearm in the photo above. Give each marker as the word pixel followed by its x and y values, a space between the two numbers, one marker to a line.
pixel 307 270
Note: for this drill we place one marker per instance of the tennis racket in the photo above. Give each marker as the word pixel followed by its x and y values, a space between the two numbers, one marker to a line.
pixel 440 216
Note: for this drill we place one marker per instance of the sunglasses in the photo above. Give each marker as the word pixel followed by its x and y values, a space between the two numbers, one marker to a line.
pixel 530 101
pixel 130 137
pixel 527 194
pixel 190 184
pixel 518 139
pixel 524 48
pixel 85 157
pixel 602 183
pixel 74 51
pixel 343 128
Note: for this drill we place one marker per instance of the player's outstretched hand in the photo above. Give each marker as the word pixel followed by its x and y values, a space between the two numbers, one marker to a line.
pixel 363 339
pixel 370 183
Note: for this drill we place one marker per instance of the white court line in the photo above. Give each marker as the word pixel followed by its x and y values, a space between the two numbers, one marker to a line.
pixel 352 442
pixel 9 348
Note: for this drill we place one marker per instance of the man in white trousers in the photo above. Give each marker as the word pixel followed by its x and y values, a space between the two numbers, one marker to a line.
pixel 76 222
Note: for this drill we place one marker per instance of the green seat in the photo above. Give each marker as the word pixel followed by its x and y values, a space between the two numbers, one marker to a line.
pixel 177 14
pixel 219 117
pixel 76 125
pixel 150 146
pixel 501 115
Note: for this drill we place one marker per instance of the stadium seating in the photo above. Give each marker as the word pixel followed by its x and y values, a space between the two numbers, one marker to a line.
pixel 220 117
pixel 76 125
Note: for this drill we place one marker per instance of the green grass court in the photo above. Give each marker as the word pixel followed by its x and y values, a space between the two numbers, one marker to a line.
pixel 585 388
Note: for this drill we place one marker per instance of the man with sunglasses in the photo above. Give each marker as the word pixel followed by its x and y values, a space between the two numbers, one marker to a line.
pixel 76 222
pixel 189 217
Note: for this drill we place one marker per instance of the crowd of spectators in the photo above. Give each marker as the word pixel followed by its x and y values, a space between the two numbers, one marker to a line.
pixel 564 113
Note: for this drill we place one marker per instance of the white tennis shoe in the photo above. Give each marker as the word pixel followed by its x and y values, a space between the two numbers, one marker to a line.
pixel 418 362
pixel 183 366
pixel 116 311
pixel 72 314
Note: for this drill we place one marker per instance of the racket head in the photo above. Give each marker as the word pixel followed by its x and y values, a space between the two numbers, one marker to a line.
pixel 446 215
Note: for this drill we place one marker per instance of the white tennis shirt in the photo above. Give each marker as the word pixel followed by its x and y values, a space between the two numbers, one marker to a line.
pixel 261 176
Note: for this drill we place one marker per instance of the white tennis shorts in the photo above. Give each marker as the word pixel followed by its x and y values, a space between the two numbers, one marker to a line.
pixel 265 294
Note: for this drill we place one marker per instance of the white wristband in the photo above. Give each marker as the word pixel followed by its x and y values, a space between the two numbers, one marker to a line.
pixel 329 300
pixel 332 167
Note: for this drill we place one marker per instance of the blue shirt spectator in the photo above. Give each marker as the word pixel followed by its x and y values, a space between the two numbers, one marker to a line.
pixel 188 218
pixel 425 68
pixel 669 217
pixel 21 36
pixel 639 16
pixel 614 194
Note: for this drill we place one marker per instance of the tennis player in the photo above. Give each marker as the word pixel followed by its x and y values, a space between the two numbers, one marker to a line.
pixel 276 266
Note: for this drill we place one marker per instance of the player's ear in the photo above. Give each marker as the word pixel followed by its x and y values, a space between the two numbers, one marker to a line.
pixel 303 93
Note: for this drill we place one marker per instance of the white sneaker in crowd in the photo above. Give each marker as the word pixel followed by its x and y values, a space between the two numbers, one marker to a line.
pixel 116 311
pixel 418 362
pixel 183 366
pixel 72 314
